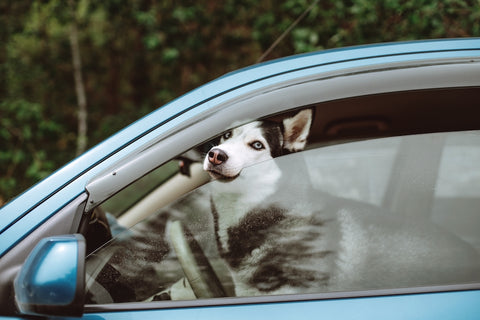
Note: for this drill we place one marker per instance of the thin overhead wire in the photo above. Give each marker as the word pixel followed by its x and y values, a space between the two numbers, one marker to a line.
pixel 286 32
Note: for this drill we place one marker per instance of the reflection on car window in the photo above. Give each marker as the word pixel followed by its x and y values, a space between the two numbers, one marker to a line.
pixel 128 197
pixel 354 216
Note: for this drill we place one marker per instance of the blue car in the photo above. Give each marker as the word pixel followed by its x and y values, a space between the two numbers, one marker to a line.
pixel 342 183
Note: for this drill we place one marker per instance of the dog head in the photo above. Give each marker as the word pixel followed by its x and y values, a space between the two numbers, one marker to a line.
pixel 256 142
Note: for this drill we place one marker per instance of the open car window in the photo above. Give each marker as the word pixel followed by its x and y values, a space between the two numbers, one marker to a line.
pixel 374 214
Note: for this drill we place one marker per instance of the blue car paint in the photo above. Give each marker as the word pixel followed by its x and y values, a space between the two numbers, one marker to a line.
pixel 23 214
pixel 58 271
pixel 434 306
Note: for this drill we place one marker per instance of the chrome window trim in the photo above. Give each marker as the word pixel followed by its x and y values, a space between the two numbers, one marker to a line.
pixel 233 301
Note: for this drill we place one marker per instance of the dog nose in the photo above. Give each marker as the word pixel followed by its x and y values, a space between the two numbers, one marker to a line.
pixel 217 156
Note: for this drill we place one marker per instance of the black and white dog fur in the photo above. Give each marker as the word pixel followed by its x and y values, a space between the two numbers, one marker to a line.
pixel 280 236
pixel 256 142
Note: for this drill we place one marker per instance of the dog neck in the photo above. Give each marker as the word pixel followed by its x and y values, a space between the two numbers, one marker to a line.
pixel 258 196
pixel 232 200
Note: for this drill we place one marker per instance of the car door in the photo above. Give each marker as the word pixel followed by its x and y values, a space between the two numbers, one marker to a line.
pixel 353 102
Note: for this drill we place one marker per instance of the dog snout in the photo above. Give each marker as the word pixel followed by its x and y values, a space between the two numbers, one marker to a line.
pixel 217 156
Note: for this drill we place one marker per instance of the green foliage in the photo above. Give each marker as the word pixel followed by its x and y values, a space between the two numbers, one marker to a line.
pixel 138 55
pixel 24 159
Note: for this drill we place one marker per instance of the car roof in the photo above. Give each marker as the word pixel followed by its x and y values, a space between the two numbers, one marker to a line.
pixel 52 193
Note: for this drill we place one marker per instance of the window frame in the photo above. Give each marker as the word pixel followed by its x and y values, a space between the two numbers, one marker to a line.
pixel 282 298
pixel 273 99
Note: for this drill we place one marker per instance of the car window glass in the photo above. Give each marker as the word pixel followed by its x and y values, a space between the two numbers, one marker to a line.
pixel 375 214
pixel 128 197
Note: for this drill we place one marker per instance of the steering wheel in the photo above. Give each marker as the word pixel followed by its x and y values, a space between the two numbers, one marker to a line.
pixel 198 270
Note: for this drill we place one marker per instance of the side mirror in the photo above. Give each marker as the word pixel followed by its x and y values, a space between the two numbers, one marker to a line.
pixel 52 279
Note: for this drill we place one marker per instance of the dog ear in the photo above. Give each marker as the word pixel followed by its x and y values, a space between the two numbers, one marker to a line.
pixel 296 130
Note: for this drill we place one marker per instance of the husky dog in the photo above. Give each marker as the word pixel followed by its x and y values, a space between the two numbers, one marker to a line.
pixel 278 235
pixel 256 142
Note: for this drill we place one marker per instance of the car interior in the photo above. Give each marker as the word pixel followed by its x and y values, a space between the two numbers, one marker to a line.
pixel 336 123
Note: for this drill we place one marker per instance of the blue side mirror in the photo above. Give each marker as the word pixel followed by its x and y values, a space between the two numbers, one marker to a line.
pixel 52 279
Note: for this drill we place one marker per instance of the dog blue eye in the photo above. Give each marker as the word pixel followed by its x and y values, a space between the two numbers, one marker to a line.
pixel 257 145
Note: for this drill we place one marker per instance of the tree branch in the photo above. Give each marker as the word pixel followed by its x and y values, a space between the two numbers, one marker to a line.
pixel 82 137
